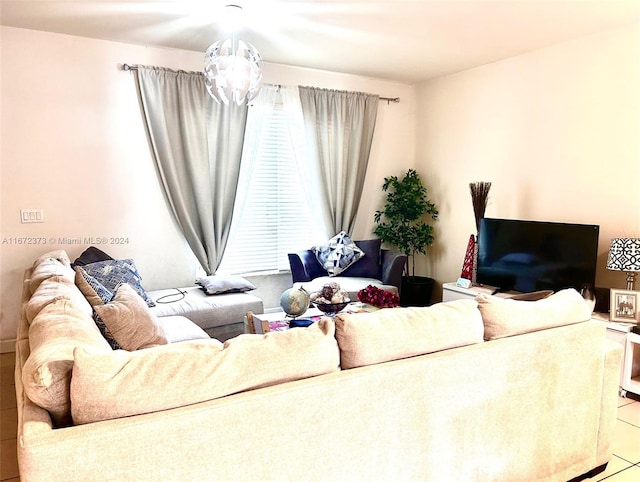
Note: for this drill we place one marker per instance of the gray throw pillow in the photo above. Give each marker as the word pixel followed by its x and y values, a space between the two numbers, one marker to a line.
pixel 219 284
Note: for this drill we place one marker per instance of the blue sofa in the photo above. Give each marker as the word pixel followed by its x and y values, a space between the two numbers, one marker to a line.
pixel 379 267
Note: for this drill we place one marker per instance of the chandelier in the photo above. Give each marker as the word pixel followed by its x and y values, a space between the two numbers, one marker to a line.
pixel 233 68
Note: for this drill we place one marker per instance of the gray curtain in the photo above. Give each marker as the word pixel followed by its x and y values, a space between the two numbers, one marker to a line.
pixel 339 129
pixel 196 145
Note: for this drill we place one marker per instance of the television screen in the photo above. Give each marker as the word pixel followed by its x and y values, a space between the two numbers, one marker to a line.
pixel 525 256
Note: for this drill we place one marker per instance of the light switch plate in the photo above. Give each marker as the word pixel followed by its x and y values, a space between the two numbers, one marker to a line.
pixel 32 216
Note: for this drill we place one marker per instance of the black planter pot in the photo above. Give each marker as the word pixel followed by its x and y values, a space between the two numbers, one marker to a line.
pixel 416 291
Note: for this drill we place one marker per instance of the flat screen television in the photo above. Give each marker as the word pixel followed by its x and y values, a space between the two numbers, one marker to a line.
pixel 526 256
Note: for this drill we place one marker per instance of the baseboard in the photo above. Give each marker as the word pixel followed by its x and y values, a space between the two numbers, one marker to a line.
pixel 7 346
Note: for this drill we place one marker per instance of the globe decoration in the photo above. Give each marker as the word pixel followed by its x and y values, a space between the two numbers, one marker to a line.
pixel 295 301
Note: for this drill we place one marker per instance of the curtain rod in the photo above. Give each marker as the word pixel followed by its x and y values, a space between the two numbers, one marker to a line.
pixel 395 100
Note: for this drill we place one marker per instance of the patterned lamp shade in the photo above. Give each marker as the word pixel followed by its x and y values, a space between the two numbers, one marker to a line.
pixel 624 255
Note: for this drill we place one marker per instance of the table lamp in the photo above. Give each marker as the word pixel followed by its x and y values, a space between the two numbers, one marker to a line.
pixel 624 255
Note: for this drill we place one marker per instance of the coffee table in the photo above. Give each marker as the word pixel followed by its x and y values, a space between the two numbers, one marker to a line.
pixel 279 320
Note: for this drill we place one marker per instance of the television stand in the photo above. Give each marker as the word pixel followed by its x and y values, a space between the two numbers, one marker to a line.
pixel 451 291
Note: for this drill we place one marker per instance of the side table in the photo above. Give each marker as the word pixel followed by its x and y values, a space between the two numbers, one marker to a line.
pixel 621 334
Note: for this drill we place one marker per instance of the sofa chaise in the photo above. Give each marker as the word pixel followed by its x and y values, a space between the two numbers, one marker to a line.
pixel 470 390
pixel 220 316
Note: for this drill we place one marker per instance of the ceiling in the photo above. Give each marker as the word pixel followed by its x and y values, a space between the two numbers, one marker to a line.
pixel 403 41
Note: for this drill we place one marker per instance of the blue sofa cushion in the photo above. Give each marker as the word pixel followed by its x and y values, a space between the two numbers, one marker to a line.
pixel 369 266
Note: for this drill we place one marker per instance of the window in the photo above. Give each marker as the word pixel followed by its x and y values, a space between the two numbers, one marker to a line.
pixel 276 219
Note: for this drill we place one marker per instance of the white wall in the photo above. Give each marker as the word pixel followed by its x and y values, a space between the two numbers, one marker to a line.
pixel 73 144
pixel 557 133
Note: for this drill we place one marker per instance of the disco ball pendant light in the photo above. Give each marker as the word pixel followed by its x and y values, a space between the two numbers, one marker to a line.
pixel 233 68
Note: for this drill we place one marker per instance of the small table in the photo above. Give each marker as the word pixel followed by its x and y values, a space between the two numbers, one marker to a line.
pixel 631 365
pixel 621 334
pixel 278 321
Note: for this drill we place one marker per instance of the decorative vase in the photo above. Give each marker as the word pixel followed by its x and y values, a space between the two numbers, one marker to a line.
pixel 474 273
pixel 479 198
pixel 468 264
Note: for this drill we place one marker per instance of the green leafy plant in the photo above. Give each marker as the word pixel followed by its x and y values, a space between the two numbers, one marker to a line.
pixel 401 223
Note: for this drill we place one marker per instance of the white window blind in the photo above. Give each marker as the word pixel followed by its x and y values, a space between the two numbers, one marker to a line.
pixel 276 219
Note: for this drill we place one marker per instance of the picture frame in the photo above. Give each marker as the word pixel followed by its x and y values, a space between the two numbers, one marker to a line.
pixel 625 306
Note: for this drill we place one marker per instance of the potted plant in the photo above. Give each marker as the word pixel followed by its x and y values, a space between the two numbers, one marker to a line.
pixel 401 223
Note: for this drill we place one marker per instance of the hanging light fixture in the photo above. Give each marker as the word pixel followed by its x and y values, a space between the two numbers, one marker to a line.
pixel 233 68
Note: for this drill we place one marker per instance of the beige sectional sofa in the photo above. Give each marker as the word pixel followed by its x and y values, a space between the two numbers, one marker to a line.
pixel 486 390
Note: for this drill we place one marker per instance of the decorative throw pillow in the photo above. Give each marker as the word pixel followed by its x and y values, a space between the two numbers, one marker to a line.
pixel 96 294
pixel 338 253
pixel 129 320
pixel 91 255
pixel 92 289
pixel 111 273
pixel 218 284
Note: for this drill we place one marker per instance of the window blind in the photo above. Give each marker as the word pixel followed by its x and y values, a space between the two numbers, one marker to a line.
pixel 276 219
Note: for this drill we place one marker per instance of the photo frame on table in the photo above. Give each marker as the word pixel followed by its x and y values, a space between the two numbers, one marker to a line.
pixel 625 306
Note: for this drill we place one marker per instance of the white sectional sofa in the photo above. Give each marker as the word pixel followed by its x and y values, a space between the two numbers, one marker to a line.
pixel 471 390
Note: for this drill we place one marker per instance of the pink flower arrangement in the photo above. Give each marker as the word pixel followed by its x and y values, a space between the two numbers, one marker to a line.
pixel 377 297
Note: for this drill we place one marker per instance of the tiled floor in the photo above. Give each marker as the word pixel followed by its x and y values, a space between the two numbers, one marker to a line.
pixel 624 467
pixel 625 464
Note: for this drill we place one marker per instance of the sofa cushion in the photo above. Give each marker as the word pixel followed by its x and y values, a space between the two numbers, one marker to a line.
pixel 119 384
pixel 219 284
pixel 369 265
pixel 179 328
pixel 208 312
pixel 112 273
pixel 128 319
pixel 338 253
pixel 53 334
pixel 52 289
pixel 46 266
pixel 394 333
pixel 507 317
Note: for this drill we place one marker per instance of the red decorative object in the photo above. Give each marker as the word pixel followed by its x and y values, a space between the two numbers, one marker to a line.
pixel 377 297
pixel 467 265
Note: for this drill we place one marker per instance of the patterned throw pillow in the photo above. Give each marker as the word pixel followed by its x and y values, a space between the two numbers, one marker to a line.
pixel 338 254
pixel 114 272
pixel 96 294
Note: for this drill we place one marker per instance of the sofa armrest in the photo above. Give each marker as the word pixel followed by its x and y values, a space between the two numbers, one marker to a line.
pixel 609 401
pixel 305 266
pixel 392 267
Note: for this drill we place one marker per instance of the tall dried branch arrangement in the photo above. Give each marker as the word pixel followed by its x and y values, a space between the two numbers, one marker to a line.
pixel 479 197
